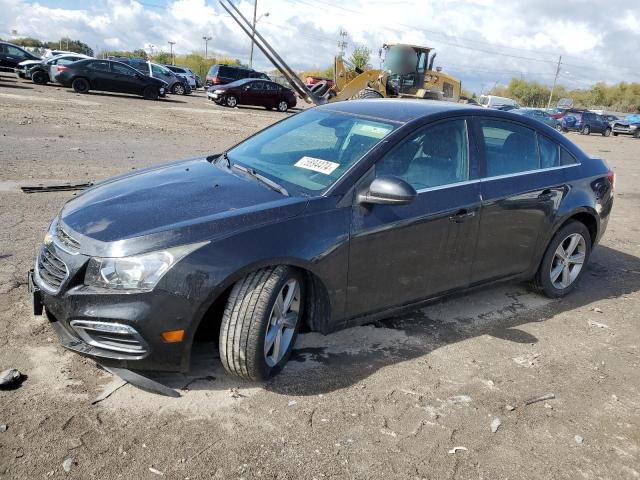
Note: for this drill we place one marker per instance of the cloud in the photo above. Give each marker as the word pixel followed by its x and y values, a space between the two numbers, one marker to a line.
pixel 481 41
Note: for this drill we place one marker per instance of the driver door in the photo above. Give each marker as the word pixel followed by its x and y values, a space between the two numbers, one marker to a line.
pixel 403 254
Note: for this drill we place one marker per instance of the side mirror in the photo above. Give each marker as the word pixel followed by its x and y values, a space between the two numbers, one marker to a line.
pixel 388 191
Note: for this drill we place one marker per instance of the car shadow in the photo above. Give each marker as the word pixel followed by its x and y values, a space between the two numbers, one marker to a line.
pixel 124 95
pixel 321 364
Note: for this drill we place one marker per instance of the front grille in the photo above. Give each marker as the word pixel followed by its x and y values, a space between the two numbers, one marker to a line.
pixel 621 127
pixel 110 336
pixel 67 240
pixel 51 269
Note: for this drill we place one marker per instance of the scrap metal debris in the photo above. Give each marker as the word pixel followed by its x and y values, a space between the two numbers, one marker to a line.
pixel 235 393
pixel 108 390
pixel 10 378
pixel 495 424
pixel 457 449
pixel 593 323
pixel 3 428
pixel 155 471
pixel 67 464
pixel 56 188
pixel 548 396
pixel 578 439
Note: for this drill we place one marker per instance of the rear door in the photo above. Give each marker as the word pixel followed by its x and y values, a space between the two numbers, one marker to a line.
pixel 99 73
pixel 521 188
pixel 402 254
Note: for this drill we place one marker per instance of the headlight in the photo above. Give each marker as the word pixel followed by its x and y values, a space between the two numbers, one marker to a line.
pixel 139 272
pixel 218 91
pixel 632 127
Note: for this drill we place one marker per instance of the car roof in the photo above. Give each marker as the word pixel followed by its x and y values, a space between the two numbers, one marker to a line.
pixel 399 110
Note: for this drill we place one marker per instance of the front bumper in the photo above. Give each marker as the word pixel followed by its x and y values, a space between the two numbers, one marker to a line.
pixel 131 325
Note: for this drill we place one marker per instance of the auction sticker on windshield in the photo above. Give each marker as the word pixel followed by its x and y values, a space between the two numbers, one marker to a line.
pixel 317 165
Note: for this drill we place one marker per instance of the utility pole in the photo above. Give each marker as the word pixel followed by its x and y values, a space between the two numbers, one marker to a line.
pixel 206 42
pixel 555 80
pixel 171 44
pixel 253 32
pixel 342 43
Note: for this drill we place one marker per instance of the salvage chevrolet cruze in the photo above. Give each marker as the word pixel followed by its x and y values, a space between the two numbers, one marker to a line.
pixel 339 215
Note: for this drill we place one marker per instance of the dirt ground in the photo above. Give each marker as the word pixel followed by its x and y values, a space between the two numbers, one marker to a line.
pixel 390 400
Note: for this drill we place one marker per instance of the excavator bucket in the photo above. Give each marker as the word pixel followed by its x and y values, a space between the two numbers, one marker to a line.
pixel 273 56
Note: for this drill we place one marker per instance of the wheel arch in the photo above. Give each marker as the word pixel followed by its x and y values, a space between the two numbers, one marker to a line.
pixel 317 307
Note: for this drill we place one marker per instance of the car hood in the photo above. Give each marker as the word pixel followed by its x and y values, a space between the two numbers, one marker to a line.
pixel 178 203
pixel 25 63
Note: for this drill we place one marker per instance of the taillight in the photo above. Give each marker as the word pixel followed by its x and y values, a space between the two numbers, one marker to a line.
pixel 61 68
pixel 611 175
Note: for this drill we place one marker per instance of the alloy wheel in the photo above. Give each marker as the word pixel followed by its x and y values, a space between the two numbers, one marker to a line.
pixel 231 101
pixel 567 261
pixel 282 323
pixel 282 106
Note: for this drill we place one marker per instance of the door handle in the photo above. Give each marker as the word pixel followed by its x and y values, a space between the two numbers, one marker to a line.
pixel 461 215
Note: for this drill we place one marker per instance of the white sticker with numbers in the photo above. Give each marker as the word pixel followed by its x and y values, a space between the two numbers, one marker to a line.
pixel 317 165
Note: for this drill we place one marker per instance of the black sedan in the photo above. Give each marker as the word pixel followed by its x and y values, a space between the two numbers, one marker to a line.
pixel 109 76
pixel 336 216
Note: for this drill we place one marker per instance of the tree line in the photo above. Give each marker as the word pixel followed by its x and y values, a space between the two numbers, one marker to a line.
pixel 621 97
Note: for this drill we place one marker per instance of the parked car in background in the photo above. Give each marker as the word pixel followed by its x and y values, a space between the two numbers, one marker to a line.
pixel 629 126
pixel 611 118
pixel 184 73
pixel 199 83
pixel 540 115
pixel 176 85
pixel 45 71
pixel 22 70
pixel 561 112
pixel 586 123
pixel 310 81
pixel 109 76
pixel 223 74
pixel 493 101
pixel 334 217
pixel 261 93
pixel 11 55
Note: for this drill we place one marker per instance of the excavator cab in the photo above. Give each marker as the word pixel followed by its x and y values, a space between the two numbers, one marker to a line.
pixel 407 66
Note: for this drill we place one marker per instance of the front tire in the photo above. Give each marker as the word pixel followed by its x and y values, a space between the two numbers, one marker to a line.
pixel 178 89
pixel 283 106
pixel 564 261
pixel 260 322
pixel 231 101
pixel 607 132
pixel 39 77
pixel 80 85
pixel 150 93
pixel 585 130
pixel 366 93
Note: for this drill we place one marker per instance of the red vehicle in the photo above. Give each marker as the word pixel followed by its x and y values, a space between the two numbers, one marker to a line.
pixel 250 91
pixel 310 81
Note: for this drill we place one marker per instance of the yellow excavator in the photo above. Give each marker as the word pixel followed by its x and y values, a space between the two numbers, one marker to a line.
pixel 407 72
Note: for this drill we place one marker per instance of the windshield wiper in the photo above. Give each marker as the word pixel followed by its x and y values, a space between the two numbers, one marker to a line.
pixel 267 181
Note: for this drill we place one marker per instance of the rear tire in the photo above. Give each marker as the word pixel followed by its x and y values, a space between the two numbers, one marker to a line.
pixel 561 268
pixel 80 85
pixel 252 323
pixel 615 134
pixel 231 101
pixel 366 93
pixel 150 93
pixel 636 134
pixel 40 77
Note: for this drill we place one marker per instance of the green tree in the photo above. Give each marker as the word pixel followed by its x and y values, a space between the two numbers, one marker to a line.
pixel 71 46
pixel 360 57
pixel 28 42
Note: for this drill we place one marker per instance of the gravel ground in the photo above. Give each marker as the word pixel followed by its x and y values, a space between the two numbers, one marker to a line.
pixel 390 400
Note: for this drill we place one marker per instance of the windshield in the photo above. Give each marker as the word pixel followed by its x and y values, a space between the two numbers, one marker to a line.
pixel 310 151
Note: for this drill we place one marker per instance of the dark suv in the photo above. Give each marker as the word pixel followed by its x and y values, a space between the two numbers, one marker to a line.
pixel 223 74
pixel 586 123
pixel 11 55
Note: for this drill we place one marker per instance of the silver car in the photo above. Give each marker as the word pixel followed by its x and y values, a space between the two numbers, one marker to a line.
pixel 185 73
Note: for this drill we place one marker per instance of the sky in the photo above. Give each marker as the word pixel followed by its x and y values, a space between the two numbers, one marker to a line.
pixel 482 42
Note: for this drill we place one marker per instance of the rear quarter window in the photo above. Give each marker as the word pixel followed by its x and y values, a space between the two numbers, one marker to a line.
pixel 566 158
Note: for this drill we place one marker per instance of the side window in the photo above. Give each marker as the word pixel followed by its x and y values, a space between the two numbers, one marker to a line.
pixel 257 86
pixel 16 52
pixel 566 158
pixel 123 70
pixel 435 155
pixel 549 154
pixel 66 61
pixel 99 66
pixel 447 89
pixel 508 148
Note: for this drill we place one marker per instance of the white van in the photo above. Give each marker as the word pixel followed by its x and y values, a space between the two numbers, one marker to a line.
pixel 493 101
